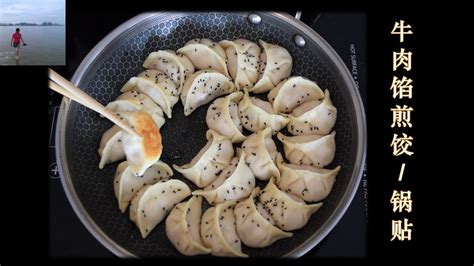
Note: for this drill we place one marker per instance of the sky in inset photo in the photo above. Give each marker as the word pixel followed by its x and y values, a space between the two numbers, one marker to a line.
pixel 32 11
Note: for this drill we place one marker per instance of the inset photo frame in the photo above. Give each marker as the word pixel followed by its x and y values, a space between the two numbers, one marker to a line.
pixel 32 32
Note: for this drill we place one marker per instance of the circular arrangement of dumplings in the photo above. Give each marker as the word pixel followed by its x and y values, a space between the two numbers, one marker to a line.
pixel 229 167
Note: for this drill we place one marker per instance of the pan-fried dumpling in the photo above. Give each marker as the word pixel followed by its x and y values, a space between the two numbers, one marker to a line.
pixel 304 181
pixel 257 115
pixel 203 87
pixel 243 66
pixel 218 231
pixel 225 173
pixel 162 80
pixel 144 149
pixel 223 117
pixel 153 202
pixel 126 184
pixel 208 164
pixel 205 54
pixel 275 66
pixel 182 227
pixel 313 117
pixel 176 66
pixel 132 101
pixel 314 150
pixel 289 212
pixel 292 92
pixel 110 147
pixel 261 152
pixel 153 84
pixel 236 186
pixel 256 227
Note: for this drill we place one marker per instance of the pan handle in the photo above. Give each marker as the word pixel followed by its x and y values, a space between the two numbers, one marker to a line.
pixel 256 19
pixel 298 39
pixel 309 19
pixel 298 15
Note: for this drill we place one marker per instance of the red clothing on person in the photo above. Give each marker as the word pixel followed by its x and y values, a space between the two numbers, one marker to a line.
pixel 16 38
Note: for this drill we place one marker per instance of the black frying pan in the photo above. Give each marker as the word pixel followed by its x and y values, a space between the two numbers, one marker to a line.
pixel 119 56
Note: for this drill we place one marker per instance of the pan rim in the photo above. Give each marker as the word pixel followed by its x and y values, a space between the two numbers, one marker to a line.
pixel 300 250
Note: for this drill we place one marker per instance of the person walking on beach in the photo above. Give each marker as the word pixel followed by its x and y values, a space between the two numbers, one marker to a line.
pixel 17 39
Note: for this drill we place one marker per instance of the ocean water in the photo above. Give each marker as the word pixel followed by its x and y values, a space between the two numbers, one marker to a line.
pixel 45 45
